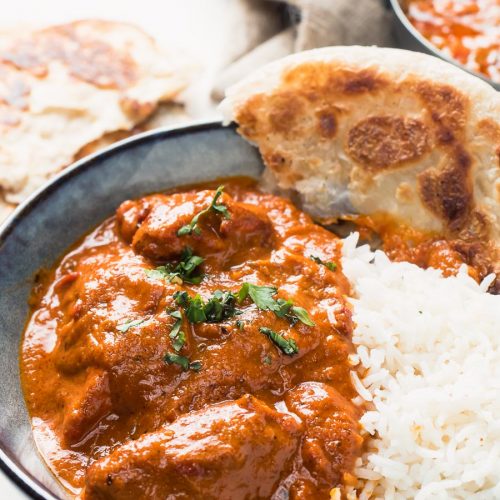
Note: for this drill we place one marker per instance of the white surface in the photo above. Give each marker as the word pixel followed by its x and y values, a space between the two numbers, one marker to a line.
pixel 202 29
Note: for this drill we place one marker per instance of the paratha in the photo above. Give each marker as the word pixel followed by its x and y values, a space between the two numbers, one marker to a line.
pixel 66 86
pixel 372 131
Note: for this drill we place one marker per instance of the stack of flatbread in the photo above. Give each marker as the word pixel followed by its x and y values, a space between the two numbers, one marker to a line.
pixel 67 90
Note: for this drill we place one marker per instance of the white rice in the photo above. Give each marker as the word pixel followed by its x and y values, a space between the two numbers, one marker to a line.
pixel 429 362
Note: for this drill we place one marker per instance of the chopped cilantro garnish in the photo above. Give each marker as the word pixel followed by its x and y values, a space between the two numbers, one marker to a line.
pixel 178 341
pixel 283 308
pixel 172 358
pixel 176 314
pixel 263 298
pixel 177 336
pixel 184 271
pixel 287 346
pixel 240 324
pixel 181 298
pixel 267 360
pixel 302 315
pixel 196 310
pixel 218 308
pixel 193 226
pixel 329 265
pixel 129 324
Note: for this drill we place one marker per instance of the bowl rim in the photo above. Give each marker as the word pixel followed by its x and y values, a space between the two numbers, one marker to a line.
pixel 403 19
pixel 21 478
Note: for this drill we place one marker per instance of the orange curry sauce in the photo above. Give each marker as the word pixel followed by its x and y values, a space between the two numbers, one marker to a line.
pixel 465 30
pixel 402 243
pixel 133 395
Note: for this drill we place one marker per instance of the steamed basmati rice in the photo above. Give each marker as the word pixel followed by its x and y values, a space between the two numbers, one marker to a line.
pixel 428 349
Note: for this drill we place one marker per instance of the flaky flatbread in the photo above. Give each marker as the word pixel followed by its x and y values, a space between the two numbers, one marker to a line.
pixel 66 86
pixel 365 130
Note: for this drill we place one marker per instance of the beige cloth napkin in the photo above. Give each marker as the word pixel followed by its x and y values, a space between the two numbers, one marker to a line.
pixel 318 23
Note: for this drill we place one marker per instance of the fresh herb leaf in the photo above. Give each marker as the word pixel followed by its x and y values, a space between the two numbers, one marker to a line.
pixel 188 265
pixel 220 307
pixel 175 329
pixel 161 272
pixel 181 298
pixel 196 310
pixel 303 316
pixel 172 358
pixel 240 325
pixel 178 340
pixel 243 292
pixel 287 346
pixel 184 271
pixel 129 324
pixel 262 296
pixel 176 314
pixel 193 226
pixel 190 228
pixel 329 265
pixel 283 307
pixel 178 337
pixel 267 359
pixel 195 365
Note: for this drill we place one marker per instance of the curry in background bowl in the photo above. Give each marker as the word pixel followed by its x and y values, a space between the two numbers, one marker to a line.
pixel 468 31
pixel 464 32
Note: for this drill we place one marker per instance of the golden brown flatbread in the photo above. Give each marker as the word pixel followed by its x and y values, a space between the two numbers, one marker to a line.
pixel 365 130
pixel 66 86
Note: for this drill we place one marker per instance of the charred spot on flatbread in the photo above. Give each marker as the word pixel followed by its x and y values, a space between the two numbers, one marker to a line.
pixel 387 141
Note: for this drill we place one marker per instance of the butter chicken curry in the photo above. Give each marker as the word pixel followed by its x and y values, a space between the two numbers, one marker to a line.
pixel 196 345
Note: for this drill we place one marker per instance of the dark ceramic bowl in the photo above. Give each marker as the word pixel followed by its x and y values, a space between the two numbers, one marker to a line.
pixel 410 38
pixel 56 216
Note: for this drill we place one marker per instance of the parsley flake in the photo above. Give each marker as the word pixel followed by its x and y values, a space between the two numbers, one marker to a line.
pixel 172 358
pixel 303 316
pixel 129 324
pixel 178 341
pixel 193 226
pixel 218 308
pixel 178 338
pixel 181 298
pixel 184 271
pixel 176 359
pixel 196 310
pixel 263 298
pixel 287 346
pixel 329 265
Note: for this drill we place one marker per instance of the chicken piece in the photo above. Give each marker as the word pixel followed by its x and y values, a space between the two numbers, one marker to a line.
pixel 215 453
pixel 152 225
pixel 332 439
pixel 86 407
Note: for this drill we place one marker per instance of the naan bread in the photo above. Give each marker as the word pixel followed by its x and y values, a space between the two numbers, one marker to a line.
pixel 66 86
pixel 365 130
pixel 167 114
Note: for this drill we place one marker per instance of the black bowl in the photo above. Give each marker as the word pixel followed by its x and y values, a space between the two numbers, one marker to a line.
pixel 411 39
pixel 76 201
